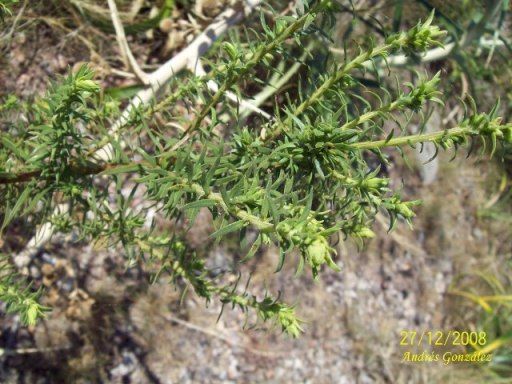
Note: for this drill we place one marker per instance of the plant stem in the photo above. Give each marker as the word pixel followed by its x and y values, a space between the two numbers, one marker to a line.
pixel 92 169
pixel 397 104
pixel 262 225
pixel 255 59
pixel 328 84
pixel 412 139
pixel 84 170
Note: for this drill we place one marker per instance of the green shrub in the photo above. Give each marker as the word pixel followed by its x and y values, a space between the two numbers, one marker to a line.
pixel 296 180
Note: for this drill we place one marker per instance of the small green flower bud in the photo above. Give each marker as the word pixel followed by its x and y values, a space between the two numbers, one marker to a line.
pixel 32 313
pixel 328 4
pixel 110 106
pixel 427 90
pixel 374 183
pixel 87 85
pixel 289 322
pixel 404 210
pixel 446 143
pixel 507 134
pixel 396 40
pixel 75 191
pixel 423 36
pixel 284 228
pixel 179 246
pixel 280 26
pixel 230 50
pixel 364 232
pixel 319 253
pixel 268 56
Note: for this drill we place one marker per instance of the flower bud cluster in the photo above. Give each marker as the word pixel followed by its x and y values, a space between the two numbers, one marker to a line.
pixel 289 321
pixel 489 126
pixel 307 236
pixel 396 207
pixel 420 94
pixel 418 39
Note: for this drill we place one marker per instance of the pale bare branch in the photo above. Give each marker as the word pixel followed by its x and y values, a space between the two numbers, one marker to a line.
pixel 123 44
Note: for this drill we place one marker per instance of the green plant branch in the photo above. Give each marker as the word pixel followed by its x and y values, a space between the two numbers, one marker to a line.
pixel 181 263
pixel 262 225
pixel 414 139
pixel 417 39
pixel 19 298
pixel 76 170
pixel 465 129
pixel 255 59
pixel 275 85
pixel 295 191
pixel 281 126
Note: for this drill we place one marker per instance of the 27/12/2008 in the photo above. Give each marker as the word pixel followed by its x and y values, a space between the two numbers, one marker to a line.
pixel 442 338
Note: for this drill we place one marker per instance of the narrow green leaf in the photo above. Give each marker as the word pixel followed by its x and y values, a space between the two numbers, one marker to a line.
pixel 235 226
pixel 11 213
pixel 254 248
pixel 200 204
pixel 12 147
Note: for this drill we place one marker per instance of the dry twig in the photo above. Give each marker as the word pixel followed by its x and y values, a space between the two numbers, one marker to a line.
pixel 123 44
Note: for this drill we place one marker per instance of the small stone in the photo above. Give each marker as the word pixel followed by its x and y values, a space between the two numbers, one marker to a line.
pixel 47 269
pixel 166 25
pixel 35 272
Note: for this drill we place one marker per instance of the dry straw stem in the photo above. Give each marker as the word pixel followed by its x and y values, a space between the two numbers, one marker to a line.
pixel 123 44
pixel 156 80
pixel 225 338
